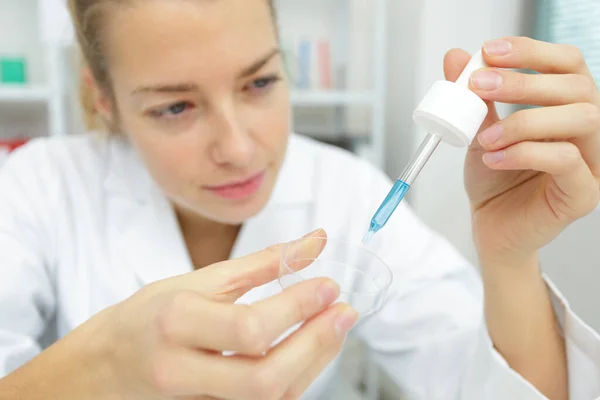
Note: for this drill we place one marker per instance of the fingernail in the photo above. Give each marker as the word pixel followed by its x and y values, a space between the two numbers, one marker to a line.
pixel 328 292
pixel 313 233
pixel 495 157
pixel 497 47
pixel 345 321
pixel 486 80
pixel 491 135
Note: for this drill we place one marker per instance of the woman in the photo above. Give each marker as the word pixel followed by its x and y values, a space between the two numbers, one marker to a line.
pixel 138 243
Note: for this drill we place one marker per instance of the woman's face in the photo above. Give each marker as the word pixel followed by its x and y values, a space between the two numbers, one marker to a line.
pixel 199 91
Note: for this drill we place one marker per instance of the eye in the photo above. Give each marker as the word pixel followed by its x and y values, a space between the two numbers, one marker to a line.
pixel 172 110
pixel 178 108
pixel 262 84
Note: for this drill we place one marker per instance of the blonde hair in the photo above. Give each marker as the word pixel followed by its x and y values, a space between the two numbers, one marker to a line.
pixel 88 20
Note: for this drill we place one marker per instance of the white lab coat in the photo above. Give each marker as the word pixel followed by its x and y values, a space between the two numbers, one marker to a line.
pixel 82 226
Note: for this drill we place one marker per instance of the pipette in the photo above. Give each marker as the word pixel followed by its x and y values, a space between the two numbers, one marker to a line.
pixel 450 111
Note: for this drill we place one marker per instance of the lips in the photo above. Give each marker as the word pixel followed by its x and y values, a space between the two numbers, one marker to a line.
pixel 240 189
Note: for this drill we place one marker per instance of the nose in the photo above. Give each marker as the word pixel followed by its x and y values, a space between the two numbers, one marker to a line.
pixel 234 145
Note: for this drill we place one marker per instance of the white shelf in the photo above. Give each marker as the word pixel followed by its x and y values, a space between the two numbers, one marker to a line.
pixel 331 98
pixel 24 94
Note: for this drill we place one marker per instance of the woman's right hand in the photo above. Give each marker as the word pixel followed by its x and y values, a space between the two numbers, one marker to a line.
pixel 166 341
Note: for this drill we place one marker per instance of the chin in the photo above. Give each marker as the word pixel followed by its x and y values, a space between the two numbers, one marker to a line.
pixel 238 214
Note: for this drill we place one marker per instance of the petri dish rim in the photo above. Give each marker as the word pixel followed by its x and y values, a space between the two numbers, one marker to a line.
pixel 388 272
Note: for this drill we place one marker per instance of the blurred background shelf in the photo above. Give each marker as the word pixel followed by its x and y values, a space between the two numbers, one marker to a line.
pixel 331 98
pixel 336 57
pixel 24 94
pixel 38 105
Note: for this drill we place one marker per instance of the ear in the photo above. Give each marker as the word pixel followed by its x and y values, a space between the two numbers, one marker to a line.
pixel 102 102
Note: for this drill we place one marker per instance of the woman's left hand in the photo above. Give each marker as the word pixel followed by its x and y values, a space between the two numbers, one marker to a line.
pixel 532 174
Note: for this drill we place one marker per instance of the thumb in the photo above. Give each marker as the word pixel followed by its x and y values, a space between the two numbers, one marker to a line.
pixel 455 62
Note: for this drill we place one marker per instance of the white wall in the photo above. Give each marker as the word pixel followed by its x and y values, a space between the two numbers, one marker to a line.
pixel 573 263
pixel 403 51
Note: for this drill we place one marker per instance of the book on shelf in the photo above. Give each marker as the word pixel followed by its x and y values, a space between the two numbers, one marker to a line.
pixel 311 64
pixel 325 64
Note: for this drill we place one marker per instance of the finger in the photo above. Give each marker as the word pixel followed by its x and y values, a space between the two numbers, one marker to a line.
pixel 196 375
pixel 573 193
pixel 534 89
pixel 308 377
pixel 246 273
pixel 278 314
pixel 182 372
pixel 227 281
pixel 579 123
pixel 455 62
pixel 192 321
pixel 300 356
pixel 527 53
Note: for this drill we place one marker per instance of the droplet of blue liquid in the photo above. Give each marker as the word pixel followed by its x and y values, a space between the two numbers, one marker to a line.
pixel 368 237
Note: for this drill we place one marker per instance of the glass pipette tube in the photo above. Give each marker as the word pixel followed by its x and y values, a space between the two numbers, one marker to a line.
pixel 402 185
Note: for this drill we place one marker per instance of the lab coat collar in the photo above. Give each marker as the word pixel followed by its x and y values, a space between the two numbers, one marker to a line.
pixel 296 181
pixel 126 176
pixel 146 233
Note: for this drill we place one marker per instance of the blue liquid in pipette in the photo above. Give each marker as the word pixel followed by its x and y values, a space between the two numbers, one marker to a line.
pixel 386 209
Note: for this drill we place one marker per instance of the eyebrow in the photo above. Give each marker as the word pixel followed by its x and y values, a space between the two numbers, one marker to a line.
pixel 257 66
pixel 190 87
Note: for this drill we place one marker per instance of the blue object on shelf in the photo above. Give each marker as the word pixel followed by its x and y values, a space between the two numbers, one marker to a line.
pixel 304 60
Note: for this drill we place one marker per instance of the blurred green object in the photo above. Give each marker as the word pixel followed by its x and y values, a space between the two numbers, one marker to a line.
pixel 13 70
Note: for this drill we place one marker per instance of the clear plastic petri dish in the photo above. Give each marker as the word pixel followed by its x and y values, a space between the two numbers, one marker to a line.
pixel 364 278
